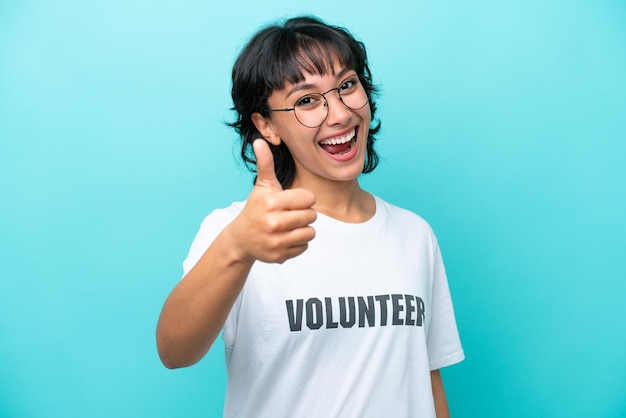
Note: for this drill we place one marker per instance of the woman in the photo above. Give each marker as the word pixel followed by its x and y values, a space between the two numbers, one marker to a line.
pixel 333 302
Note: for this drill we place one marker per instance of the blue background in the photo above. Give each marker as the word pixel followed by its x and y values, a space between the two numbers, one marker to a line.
pixel 504 125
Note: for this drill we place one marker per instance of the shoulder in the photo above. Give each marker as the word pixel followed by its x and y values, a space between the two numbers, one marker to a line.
pixel 210 228
pixel 223 216
pixel 404 218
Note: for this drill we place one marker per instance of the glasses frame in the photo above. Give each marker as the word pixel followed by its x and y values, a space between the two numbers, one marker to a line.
pixel 289 109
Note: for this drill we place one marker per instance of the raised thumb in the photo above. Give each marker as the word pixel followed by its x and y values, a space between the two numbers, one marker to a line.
pixel 266 176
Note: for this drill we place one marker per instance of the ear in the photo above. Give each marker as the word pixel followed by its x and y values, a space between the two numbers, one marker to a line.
pixel 266 128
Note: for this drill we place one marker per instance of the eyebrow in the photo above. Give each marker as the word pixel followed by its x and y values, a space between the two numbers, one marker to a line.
pixel 308 86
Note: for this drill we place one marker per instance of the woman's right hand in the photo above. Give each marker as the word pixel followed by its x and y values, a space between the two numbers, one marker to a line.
pixel 274 226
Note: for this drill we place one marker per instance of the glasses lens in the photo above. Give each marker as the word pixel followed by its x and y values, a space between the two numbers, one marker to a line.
pixel 352 93
pixel 311 110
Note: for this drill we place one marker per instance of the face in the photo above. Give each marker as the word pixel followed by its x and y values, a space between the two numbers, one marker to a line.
pixel 333 152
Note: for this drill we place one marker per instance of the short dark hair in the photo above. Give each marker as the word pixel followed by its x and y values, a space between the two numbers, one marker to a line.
pixel 279 54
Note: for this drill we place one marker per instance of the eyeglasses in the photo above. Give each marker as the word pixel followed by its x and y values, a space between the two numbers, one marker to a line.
pixel 311 110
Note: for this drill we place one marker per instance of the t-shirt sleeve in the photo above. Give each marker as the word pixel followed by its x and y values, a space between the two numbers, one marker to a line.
pixel 210 228
pixel 443 342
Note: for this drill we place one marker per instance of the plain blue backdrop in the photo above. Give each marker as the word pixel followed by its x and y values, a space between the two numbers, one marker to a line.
pixel 504 126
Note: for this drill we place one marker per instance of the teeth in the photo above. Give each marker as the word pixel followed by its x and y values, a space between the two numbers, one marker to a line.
pixel 338 140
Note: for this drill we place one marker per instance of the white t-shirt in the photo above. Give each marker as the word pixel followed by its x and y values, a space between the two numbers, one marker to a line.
pixel 350 328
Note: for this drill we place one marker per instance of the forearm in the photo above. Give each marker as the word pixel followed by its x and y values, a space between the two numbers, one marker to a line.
pixel 195 311
pixel 439 395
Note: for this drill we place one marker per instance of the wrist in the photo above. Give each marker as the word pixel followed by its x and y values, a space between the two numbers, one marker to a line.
pixel 232 249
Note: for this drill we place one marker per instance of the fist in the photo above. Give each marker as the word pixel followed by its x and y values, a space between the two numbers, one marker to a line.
pixel 274 226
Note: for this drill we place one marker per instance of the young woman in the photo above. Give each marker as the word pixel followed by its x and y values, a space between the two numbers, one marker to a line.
pixel 333 302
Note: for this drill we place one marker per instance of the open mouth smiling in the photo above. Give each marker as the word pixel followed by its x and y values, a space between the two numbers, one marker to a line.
pixel 340 145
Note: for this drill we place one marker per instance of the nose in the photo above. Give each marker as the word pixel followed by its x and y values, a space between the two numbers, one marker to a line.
pixel 338 113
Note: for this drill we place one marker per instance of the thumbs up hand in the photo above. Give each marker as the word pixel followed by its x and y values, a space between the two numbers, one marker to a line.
pixel 274 226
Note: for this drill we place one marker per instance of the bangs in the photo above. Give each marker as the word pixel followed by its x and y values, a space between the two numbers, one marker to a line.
pixel 298 53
